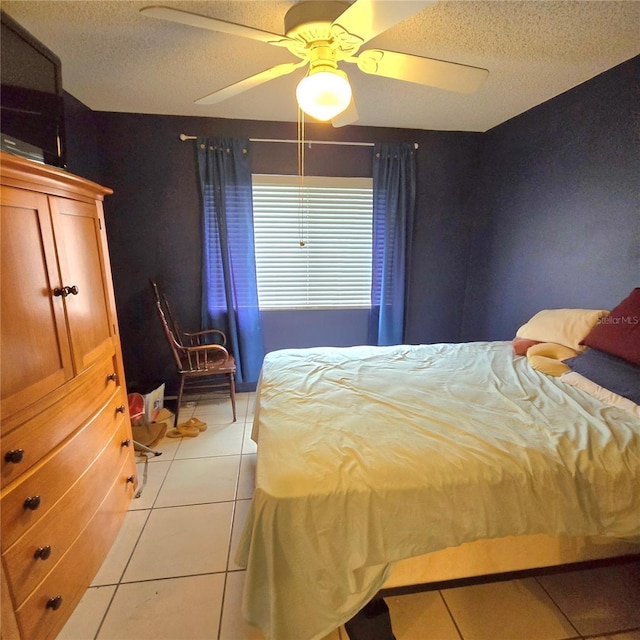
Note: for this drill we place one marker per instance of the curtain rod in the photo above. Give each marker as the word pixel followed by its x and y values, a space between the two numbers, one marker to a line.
pixel 184 136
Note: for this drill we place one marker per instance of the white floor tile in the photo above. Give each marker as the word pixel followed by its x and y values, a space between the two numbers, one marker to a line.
pixel 88 615
pixel 116 561
pixel 251 406
pixel 186 409
pixel 168 448
pixel 216 410
pixel 156 474
pixel 248 445
pixel 181 541
pixel 242 404
pixel 519 609
pixel 199 480
pixel 217 440
pixel 598 601
pixel 247 479
pixel 175 609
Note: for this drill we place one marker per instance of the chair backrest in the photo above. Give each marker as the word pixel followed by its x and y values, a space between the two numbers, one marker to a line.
pixel 171 319
pixel 176 347
pixel 200 353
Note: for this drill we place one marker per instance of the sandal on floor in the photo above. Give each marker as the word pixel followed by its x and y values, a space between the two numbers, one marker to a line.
pixel 194 422
pixel 181 430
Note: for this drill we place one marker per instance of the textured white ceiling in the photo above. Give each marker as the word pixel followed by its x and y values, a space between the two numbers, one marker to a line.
pixel 116 59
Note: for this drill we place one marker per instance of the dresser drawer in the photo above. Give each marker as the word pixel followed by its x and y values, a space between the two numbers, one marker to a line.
pixel 26 502
pixel 65 409
pixel 34 554
pixel 70 578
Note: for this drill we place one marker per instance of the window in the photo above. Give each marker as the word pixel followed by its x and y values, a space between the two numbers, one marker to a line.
pixel 332 218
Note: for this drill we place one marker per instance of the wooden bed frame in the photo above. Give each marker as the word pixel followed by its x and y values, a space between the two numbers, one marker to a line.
pixel 486 561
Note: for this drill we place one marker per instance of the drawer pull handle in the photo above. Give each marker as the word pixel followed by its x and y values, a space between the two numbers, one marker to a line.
pixel 113 377
pixel 125 443
pixel 42 553
pixel 120 409
pixel 131 479
pixel 32 503
pixel 14 456
pixel 54 603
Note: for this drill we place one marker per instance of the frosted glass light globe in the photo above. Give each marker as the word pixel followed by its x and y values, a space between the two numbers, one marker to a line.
pixel 325 94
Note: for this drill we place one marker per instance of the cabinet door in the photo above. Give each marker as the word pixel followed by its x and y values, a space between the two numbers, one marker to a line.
pixel 35 349
pixel 77 231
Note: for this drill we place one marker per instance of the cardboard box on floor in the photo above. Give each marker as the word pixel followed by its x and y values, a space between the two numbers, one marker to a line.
pixel 164 415
pixel 150 434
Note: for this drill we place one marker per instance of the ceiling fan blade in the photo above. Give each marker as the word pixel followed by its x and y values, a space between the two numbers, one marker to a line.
pixel 250 82
pixel 213 24
pixel 368 18
pixel 348 116
pixel 450 76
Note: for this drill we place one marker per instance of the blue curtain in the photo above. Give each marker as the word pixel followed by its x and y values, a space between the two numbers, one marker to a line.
pixel 229 289
pixel 394 194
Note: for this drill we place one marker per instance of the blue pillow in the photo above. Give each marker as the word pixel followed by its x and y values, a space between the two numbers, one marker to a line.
pixel 610 372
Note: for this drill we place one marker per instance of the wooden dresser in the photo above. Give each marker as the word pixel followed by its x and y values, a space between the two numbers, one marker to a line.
pixel 67 456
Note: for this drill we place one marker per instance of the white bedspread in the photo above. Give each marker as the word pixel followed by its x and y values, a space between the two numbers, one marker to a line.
pixel 368 455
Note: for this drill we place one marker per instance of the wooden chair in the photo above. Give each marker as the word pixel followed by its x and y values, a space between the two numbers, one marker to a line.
pixel 202 360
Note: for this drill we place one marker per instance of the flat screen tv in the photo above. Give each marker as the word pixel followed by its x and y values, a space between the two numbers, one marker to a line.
pixel 32 117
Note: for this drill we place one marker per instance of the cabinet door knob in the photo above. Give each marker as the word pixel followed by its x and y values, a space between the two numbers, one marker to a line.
pixel 125 443
pixel 65 291
pixel 32 503
pixel 42 553
pixel 113 377
pixel 131 479
pixel 54 603
pixel 14 456
pixel 120 409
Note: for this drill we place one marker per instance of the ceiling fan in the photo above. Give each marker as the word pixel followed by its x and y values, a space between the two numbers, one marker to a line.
pixel 323 33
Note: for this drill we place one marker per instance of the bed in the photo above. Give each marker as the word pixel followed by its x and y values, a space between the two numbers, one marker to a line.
pixel 382 467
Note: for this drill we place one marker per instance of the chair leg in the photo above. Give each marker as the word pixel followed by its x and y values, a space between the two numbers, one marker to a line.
pixel 232 393
pixel 180 391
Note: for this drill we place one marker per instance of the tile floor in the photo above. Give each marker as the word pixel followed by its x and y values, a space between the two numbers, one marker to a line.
pixel 171 573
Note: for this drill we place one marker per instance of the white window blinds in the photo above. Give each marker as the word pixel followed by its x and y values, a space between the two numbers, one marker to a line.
pixel 333 218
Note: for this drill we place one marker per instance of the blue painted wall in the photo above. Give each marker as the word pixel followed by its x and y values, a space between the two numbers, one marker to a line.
pixel 557 209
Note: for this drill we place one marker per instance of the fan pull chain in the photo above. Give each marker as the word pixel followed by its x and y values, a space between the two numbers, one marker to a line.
pixel 302 196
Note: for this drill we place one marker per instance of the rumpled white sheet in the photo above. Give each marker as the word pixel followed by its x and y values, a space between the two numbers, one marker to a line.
pixel 368 455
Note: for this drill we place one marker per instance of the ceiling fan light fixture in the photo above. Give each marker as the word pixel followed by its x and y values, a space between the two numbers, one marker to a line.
pixel 324 94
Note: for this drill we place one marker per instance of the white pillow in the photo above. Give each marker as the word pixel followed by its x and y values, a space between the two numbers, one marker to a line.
pixel 600 393
pixel 562 326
